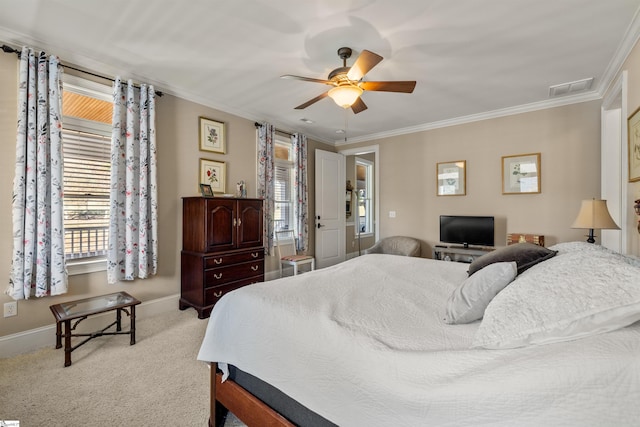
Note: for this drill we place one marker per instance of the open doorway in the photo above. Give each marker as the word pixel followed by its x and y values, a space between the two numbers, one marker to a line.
pixel 362 199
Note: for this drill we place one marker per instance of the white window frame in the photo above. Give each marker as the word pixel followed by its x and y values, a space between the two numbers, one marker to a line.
pixel 287 164
pixel 103 92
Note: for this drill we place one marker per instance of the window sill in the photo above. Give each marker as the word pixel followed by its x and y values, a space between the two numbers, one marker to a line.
pixel 75 267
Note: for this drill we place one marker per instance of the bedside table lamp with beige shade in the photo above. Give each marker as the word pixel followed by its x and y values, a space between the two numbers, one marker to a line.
pixel 594 214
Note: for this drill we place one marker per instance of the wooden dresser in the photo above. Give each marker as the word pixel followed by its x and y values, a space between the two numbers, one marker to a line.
pixel 222 249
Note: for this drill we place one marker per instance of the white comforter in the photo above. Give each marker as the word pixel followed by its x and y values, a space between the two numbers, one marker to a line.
pixel 363 344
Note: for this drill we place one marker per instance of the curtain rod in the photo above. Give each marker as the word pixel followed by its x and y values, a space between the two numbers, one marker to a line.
pixel 256 124
pixel 9 49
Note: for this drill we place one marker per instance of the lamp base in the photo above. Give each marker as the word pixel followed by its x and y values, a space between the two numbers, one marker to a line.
pixel 591 237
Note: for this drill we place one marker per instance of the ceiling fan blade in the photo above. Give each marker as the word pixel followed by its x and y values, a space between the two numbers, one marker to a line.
pixel 311 101
pixel 307 79
pixel 365 62
pixel 358 106
pixel 397 86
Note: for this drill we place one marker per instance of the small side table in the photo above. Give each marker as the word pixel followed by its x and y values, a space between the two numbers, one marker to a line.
pixel 83 308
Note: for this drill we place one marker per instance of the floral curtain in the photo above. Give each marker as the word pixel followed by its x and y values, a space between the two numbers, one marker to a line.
pixel 300 207
pixel 38 264
pixel 133 232
pixel 266 154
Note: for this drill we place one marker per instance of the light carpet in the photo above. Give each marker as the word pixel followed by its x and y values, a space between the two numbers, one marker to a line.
pixel 157 381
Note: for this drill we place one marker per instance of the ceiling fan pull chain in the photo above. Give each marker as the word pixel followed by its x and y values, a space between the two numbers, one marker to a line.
pixel 346 123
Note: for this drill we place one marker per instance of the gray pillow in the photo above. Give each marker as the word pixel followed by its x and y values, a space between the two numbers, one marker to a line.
pixel 526 255
pixel 468 302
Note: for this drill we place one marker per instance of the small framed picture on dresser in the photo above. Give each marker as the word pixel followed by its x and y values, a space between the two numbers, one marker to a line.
pixel 205 190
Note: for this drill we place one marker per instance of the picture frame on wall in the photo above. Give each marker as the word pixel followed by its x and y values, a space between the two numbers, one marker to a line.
pixel 212 136
pixel 213 173
pixel 451 178
pixel 634 145
pixel 521 174
pixel 205 190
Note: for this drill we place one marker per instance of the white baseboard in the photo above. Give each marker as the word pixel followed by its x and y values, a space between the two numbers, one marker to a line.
pixel 353 255
pixel 35 339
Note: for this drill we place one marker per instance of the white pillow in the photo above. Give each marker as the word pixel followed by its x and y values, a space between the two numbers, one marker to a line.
pixel 573 295
pixel 584 246
pixel 581 246
pixel 468 301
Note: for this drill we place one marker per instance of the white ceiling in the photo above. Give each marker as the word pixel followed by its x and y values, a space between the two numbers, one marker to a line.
pixel 471 59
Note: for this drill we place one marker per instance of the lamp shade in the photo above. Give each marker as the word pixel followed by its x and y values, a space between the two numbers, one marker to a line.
pixel 345 95
pixel 594 214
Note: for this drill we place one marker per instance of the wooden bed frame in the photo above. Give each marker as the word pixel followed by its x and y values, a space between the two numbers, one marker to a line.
pixel 244 405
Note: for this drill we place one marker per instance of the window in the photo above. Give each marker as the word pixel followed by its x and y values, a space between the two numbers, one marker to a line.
pixel 284 189
pixel 364 191
pixel 86 143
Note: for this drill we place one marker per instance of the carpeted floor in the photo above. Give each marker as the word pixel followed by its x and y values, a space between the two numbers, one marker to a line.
pixel 155 382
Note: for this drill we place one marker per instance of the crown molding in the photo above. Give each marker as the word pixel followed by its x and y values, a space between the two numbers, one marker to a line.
pixel 526 108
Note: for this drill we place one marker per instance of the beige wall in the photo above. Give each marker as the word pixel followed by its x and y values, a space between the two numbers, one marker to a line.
pixel 178 164
pixel 568 139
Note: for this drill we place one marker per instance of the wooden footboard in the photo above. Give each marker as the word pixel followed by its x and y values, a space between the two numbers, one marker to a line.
pixel 248 408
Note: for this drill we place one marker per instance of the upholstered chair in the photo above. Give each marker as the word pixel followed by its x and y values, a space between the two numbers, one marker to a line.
pixel 396 245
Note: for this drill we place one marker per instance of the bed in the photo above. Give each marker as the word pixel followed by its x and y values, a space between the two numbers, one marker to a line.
pixel 531 337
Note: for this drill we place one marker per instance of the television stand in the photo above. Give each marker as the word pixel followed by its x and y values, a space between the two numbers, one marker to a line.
pixel 459 253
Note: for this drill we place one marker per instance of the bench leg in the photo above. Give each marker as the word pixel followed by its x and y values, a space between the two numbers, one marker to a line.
pixel 58 335
pixel 133 324
pixel 67 343
pixel 119 320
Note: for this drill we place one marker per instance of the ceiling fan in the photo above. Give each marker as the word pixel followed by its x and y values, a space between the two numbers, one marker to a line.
pixel 348 84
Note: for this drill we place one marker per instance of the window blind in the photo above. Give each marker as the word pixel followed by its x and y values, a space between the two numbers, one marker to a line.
pixel 282 196
pixel 87 182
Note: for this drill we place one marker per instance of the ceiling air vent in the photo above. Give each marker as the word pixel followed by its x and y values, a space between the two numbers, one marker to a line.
pixel 570 88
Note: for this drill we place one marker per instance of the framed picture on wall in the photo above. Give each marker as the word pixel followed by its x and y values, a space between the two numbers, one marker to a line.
pixel 521 174
pixel 634 146
pixel 213 172
pixel 212 136
pixel 451 178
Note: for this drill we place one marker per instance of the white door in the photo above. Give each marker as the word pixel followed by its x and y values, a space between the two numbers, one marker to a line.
pixel 330 208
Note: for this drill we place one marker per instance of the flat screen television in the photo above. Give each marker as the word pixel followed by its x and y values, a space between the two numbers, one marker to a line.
pixel 467 230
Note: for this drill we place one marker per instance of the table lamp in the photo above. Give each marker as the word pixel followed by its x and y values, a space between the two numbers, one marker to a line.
pixel 594 214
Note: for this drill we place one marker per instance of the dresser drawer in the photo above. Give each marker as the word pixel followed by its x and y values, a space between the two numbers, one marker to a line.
pixel 212 295
pixel 222 275
pixel 227 259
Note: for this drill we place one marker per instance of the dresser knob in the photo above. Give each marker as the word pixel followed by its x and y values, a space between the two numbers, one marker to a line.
pixel 218 261
pixel 255 267
pixel 217 276
pixel 255 255
pixel 217 294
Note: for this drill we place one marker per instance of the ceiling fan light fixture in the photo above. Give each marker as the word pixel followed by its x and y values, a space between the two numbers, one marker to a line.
pixel 345 95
